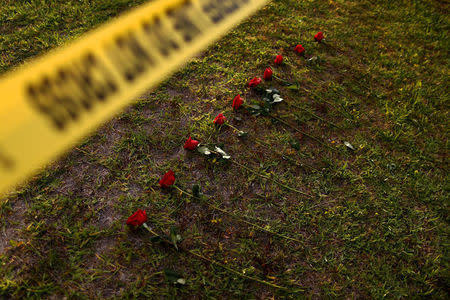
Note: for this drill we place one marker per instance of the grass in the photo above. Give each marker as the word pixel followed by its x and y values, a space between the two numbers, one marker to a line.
pixel 376 226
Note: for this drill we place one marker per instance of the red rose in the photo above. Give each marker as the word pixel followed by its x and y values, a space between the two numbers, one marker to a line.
pixel 220 119
pixel 237 102
pixel 319 36
pixel 278 60
pixel 190 144
pixel 299 49
pixel 168 179
pixel 268 74
pixel 138 218
pixel 254 82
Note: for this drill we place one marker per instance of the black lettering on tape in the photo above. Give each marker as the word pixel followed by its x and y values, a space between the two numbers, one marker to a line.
pixel 129 56
pixel 41 97
pixel 182 22
pixel 72 89
pixel 211 9
pixel 219 9
pixel 160 37
pixel 94 79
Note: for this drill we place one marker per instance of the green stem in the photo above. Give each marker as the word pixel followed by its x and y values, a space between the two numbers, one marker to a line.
pixel 232 127
pixel 178 188
pixel 272 179
pixel 302 132
pixel 239 218
pixel 151 231
pixel 240 274
pixel 314 115
pixel 296 162
pixel 210 136
pixel 219 264
pixel 281 79
pixel 342 111
pixel 255 225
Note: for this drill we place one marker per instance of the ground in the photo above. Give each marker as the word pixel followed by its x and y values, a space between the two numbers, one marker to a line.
pixel 371 222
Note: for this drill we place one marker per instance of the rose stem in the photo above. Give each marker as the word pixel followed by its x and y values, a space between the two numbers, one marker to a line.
pixel 290 159
pixel 231 126
pixel 308 111
pixel 315 116
pixel 342 111
pixel 242 275
pixel 272 179
pixel 302 132
pixel 214 130
pixel 307 91
pixel 266 177
pixel 238 217
pixel 219 264
pixel 296 162
pixel 284 81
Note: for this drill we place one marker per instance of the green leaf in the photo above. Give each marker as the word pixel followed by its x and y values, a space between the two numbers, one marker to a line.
pixel 196 190
pixel 174 236
pixel 275 91
pixel 242 134
pixel 254 109
pixel 293 87
pixel 204 150
pixel 255 106
pixel 221 152
pixel 295 144
pixel 155 239
pixel 277 98
pixel 349 146
pixel 174 277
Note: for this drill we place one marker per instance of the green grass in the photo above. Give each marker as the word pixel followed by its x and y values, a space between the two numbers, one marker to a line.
pixel 376 226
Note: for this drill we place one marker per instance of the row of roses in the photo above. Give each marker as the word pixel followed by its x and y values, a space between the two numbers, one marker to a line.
pixel 140 216
pixel 268 73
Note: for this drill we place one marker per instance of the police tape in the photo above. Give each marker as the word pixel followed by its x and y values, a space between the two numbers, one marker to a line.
pixel 51 103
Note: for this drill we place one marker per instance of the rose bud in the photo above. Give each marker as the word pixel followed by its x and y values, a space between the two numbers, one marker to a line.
pixel 237 102
pixel 268 74
pixel 299 49
pixel 138 218
pixel 278 60
pixel 319 36
pixel 167 180
pixel 254 82
pixel 220 119
pixel 190 144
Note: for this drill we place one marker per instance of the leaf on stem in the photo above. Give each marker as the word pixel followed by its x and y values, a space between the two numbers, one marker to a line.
pixel 175 237
pixel 204 150
pixel 276 98
pixel 295 144
pixel 254 109
pixel 349 146
pixel 221 152
pixel 272 91
pixel 196 190
pixel 156 239
pixel 174 277
pixel 242 134
pixel 293 87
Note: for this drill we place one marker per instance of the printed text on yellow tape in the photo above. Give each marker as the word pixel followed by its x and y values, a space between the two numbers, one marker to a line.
pixel 52 102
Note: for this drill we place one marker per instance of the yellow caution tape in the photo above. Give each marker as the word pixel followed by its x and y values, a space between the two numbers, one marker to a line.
pixel 54 101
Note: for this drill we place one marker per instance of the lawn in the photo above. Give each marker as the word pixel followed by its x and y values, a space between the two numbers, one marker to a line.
pixel 338 191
